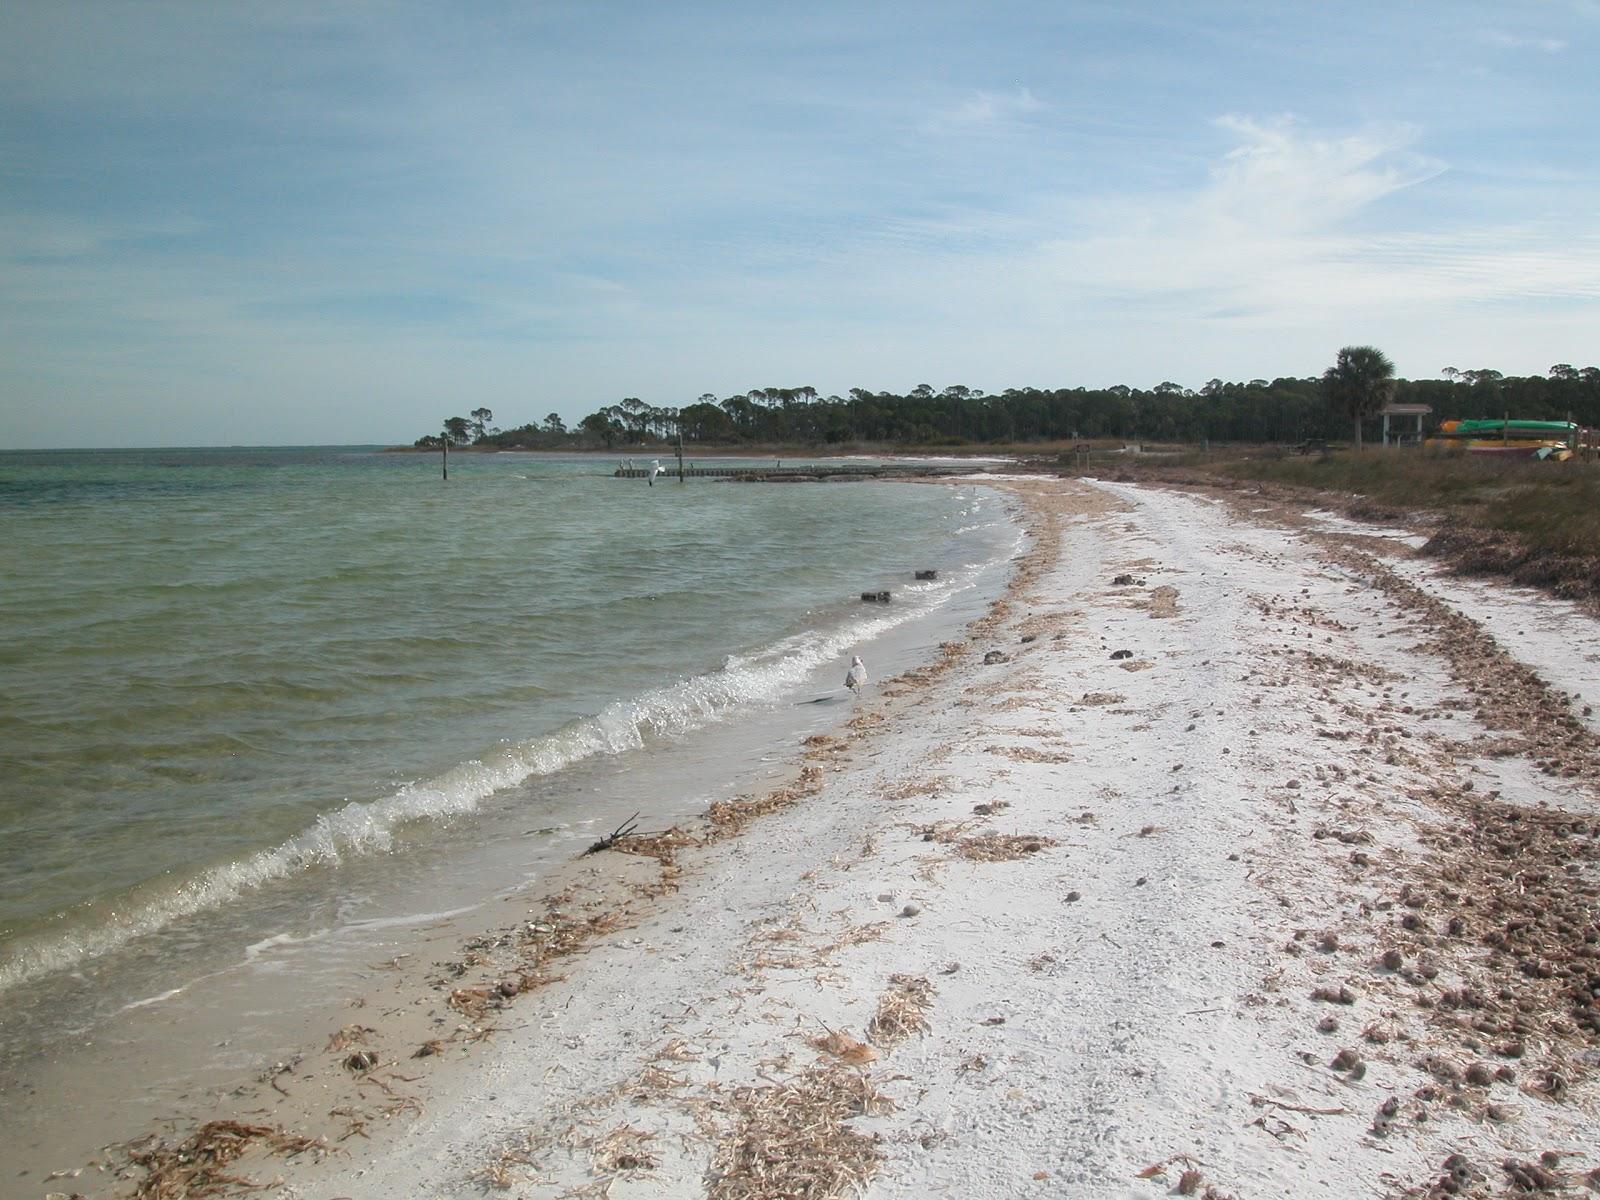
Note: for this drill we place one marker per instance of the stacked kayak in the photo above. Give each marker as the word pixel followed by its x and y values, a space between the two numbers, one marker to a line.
pixel 1514 439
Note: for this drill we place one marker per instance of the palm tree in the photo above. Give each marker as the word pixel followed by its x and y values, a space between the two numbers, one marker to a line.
pixel 1359 384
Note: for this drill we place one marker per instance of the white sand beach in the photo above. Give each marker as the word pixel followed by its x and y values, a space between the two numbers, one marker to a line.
pixel 1220 858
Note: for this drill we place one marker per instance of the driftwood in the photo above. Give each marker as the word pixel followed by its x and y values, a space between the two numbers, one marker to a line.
pixel 615 836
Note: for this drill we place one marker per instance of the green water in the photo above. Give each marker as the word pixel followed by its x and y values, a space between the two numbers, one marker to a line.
pixel 229 672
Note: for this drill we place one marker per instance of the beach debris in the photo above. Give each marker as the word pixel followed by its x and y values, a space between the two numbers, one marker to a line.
pixel 927 785
pixel 1074 896
pixel 623 1151
pixel 360 1060
pixel 927 574
pixel 1121 654
pixel 616 835
pixel 844 1047
pixel 428 1049
pixel 995 656
pixel 792 1138
pixel 1349 1062
pixel 911 910
pixel 729 817
pixel 663 846
pixel 902 1011
pixel 875 597
pixel 1030 754
pixel 1002 847
pixel 1100 699
pixel 1126 580
pixel 350 1035
pixel 1531 1177
pixel 1162 602
pixel 197 1166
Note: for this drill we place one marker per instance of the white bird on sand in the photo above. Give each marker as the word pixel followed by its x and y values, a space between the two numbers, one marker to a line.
pixel 857 675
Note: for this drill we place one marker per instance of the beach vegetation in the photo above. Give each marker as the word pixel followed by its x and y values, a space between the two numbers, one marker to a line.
pixel 1548 508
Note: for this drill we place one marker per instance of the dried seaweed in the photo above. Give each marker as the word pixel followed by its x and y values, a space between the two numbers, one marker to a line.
pixel 902 1011
pixel 197 1166
pixel 1002 847
pixel 790 1141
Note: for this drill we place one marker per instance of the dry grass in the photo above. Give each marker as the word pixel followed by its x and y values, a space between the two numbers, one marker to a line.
pixel 197 1166
pixel 1002 847
pixel 791 1141
pixel 902 1011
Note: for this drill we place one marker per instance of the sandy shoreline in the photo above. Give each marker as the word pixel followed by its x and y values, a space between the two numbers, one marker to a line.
pixel 1238 903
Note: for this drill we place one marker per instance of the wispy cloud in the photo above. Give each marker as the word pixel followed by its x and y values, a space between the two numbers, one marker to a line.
pixel 1514 41
pixel 985 110
pixel 1284 229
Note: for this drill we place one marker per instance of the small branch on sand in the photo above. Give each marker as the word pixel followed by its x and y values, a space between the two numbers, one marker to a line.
pixel 1263 1101
pixel 616 835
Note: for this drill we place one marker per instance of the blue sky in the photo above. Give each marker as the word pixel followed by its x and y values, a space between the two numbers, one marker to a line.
pixel 339 222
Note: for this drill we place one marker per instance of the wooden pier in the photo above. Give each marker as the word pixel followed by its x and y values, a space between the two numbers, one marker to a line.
pixel 761 473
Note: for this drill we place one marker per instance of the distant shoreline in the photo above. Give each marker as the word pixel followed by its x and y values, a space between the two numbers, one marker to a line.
pixel 967 450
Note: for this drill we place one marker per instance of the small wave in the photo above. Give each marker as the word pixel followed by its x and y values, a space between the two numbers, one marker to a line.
pixel 369 827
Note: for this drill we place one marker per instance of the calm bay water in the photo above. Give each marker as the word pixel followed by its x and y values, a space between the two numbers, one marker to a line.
pixel 232 677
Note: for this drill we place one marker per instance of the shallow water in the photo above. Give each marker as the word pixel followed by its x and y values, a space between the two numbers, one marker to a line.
pixel 271 699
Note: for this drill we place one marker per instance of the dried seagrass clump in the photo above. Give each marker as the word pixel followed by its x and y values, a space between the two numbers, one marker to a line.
pixel 791 1139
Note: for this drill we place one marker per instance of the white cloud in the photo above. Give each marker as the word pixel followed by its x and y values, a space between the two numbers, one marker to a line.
pixel 985 110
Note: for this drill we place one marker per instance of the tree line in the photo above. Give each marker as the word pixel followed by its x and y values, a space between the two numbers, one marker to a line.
pixel 1282 410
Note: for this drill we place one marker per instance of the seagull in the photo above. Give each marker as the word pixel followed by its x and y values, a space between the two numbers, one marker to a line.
pixel 655 469
pixel 857 675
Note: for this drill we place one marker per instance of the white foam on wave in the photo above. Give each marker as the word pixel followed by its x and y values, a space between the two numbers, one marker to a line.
pixel 149 1000
pixel 369 827
pixel 254 951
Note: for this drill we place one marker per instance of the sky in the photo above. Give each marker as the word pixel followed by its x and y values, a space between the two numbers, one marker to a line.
pixel 340 222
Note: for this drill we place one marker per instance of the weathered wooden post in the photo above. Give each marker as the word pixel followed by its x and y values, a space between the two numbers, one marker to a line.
pixel 444 455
